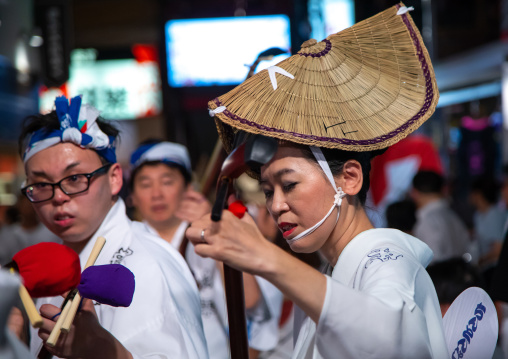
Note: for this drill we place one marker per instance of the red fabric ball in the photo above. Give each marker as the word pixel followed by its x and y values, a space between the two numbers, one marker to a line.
pixel 48 269
pixel 237 208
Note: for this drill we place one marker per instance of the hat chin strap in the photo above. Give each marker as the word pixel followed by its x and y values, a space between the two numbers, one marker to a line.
pixel 337 202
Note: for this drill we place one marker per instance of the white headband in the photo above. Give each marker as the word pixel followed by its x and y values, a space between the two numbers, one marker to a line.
pixel 78 124
pixel 163 152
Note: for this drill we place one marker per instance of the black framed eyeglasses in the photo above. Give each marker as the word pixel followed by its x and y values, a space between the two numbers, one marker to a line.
pixel 73 184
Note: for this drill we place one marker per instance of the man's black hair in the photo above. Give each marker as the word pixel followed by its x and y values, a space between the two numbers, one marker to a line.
pixel 488 187
pixel 401 215
pixel 428 182
pixel 452 277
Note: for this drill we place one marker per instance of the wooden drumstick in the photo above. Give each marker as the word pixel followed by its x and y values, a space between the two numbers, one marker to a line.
pixel 55 333
pixel 66 327
pixel 71 308
pixel 31 311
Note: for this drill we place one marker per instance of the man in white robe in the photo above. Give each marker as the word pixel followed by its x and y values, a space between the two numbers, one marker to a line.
pixel 73 183
pixel 163 320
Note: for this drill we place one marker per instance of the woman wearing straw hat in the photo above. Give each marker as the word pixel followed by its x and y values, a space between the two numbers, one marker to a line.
pixel 333 106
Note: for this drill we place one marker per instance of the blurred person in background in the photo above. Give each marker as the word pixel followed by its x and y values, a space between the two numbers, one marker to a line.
pixel 498 289
pixel 401 215
pixel 451 277
pixel 26 231
pixel 11 215
pixel 504 188
pixel 162 194
pixel 489 220
pixel 161 190
pixel 436 224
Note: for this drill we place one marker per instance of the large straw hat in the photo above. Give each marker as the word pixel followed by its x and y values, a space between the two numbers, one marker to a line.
pixel 362 89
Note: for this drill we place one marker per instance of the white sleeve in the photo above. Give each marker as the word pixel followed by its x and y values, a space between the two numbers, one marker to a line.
pixel 158 323
pixel 168 317
pixel 379 320
pixel 263 319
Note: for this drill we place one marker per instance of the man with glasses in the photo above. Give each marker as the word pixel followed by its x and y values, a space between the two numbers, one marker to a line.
pixel 73 182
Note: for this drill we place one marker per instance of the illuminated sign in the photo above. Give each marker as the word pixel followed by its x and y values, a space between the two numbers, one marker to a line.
pixel 218 51
pixel 121 89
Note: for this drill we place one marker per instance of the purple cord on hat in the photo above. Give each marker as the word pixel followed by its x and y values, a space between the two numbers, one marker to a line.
pixel 111 284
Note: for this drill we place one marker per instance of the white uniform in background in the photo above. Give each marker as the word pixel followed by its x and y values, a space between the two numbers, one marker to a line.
pixel 442 230
pixel 380 303
pixel 14 238
pixel 164 318
pixel 262 321
pixel 284 348
pixel 177 237
pixel 489 229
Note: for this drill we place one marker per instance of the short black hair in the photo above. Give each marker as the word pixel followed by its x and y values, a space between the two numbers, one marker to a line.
pixel 428 182
pixel 488 187
pixel 401 215
pixel 50 122
pixel 452 277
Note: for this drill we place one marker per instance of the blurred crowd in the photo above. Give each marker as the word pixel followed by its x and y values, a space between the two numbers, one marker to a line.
pixel 468 250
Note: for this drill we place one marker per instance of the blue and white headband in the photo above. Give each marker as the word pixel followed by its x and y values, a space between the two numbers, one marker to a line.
pixel 166 152
pixel 78 125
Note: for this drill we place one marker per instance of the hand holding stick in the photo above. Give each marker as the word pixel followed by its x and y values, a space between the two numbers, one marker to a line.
pixel 47 269
pixel 55 333
pixel 66 318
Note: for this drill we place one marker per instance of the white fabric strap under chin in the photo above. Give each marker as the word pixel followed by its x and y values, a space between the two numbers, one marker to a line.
pixel 339 194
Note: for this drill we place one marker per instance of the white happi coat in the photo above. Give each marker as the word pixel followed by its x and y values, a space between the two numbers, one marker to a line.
pixel 164 318
pixel 177 239
pixel 262 320
pixel 380 303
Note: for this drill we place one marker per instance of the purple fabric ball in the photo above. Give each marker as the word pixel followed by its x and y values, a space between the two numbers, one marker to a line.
pixel 111 284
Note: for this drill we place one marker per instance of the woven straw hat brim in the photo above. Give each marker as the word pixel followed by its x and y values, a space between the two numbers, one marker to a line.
pixel 362 89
